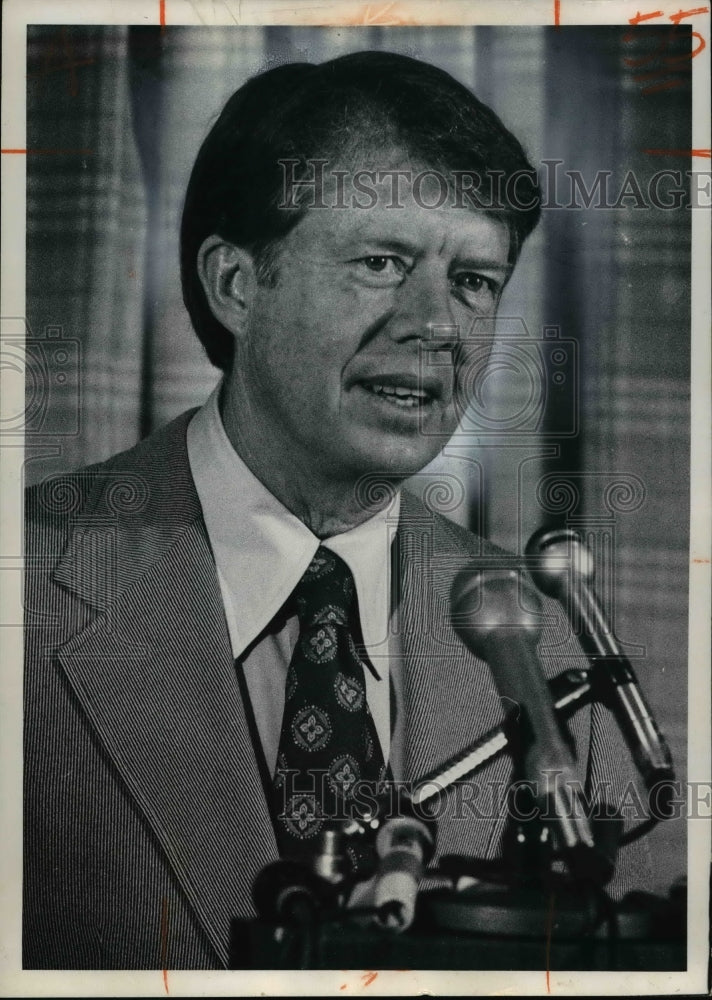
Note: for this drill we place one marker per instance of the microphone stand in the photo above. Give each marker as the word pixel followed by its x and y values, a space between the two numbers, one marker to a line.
pixel 509 897
pixel 517 894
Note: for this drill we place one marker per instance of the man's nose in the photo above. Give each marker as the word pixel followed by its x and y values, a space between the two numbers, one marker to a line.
pixel 425 310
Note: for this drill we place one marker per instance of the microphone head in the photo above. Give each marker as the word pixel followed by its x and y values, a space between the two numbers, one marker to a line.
pixel 560 558
pixel 489 602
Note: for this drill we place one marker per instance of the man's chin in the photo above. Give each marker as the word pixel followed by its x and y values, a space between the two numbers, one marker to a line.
pixel 394 464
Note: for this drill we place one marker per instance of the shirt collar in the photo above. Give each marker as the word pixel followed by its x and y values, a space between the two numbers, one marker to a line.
pixel 261 549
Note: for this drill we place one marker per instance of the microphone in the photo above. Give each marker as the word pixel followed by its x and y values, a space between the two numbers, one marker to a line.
pixel 497 615
pixel 564 570
pixel 290 892
pixel 404 844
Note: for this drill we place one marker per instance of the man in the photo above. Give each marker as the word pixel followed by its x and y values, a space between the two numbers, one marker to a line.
pixel 344 249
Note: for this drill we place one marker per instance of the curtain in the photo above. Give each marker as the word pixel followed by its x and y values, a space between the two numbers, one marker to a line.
pixel 583 416
pixel 85 245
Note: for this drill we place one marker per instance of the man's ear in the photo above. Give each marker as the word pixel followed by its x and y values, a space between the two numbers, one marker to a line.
pixel 227 274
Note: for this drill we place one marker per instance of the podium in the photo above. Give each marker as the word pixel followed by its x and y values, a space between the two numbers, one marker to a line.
pixel 462 931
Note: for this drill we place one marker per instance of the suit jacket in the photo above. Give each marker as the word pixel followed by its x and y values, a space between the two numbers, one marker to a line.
pixel 145 816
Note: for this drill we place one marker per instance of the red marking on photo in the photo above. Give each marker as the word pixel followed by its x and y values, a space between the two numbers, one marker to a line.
pixel 549 925
pixel 644 17
pixel 59 58
pixel 50 152
pixel 656 87
pixel 679 152
pixel 164 941
pixel 681 14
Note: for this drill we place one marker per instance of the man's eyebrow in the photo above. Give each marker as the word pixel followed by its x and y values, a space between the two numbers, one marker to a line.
pixel 383 242
pixel 480 262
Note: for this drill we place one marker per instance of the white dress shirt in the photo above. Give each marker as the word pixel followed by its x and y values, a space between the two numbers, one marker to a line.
pixel 261 551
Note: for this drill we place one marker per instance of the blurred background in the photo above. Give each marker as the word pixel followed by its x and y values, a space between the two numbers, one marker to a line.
pixel 582 417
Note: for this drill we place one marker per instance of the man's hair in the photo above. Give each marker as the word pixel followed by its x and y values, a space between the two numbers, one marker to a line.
pixel 356 104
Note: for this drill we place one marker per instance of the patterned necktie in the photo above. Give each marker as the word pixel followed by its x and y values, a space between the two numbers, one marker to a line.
pixel 328 746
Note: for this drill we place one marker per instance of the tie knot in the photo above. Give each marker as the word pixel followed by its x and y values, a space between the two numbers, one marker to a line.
pixel 326 594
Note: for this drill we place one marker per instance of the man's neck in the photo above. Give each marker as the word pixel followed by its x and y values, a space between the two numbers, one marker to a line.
pixel 326 506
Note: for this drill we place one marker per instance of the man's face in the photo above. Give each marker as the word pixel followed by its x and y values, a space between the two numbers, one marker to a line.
pixel 349 364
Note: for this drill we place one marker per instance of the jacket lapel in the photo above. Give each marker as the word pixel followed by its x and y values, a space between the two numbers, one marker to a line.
pixel 450 697
pixel 155 675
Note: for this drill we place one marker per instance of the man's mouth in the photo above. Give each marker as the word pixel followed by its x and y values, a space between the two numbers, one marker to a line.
pixel 404 392
pixel 399 395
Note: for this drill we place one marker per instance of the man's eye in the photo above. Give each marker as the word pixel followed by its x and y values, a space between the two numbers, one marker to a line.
pixel 384 264
pixel 475 287
pixel 475 282
pixel 376 263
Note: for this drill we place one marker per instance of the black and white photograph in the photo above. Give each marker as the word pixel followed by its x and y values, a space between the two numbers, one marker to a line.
pixel 355 446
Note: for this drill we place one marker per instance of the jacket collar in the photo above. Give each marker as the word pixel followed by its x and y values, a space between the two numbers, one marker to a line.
pixel 125 515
